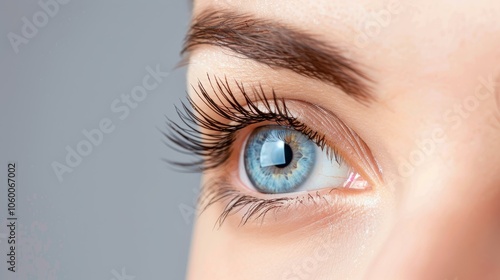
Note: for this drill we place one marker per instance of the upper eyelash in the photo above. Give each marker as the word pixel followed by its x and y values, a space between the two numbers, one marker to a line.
pixel 212 140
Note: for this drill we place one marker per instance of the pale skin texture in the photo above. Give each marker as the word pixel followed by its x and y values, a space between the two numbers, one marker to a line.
pixel 436 67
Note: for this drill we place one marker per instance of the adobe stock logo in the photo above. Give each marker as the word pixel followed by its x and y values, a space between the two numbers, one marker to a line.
pixel 49 9
pixel 121 276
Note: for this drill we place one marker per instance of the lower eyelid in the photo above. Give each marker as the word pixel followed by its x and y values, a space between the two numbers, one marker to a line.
pixel 283 213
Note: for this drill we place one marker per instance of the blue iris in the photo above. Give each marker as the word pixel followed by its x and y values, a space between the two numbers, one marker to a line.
pixel 278 159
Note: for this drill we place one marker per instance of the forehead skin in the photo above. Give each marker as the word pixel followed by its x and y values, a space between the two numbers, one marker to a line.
pixel 435 65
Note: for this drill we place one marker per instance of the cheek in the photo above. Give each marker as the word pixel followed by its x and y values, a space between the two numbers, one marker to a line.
pixel 340 244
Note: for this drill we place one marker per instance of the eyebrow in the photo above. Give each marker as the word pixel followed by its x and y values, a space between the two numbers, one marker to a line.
pixel 278 46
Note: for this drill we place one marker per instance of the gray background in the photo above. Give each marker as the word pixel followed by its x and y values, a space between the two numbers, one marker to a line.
pixel 118 213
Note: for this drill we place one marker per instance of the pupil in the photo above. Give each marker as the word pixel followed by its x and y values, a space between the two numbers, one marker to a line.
pixel 288 156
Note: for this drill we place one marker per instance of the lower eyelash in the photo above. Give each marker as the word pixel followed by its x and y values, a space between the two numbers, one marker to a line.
pixel 221 190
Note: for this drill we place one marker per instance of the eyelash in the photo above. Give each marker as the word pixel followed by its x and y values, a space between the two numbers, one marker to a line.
pixel 212 140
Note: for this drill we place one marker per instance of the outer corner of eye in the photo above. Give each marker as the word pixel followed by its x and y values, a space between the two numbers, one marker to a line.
pixel 281 160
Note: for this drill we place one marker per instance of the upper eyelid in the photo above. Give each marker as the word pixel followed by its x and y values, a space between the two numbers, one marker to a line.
pixel 342 133
pixel 360 156
pixel 214 138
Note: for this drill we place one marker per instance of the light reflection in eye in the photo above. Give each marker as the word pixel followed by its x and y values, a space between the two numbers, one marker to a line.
pixel 278 159
pixel 355 182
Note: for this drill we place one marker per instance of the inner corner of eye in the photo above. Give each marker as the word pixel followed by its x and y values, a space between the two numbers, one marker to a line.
pixel 279 160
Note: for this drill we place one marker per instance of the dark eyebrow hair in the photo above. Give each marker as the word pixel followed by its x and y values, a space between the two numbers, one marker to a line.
pixel 278 46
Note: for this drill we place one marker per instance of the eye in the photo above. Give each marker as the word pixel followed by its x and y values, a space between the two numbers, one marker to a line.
pixel 262 154
pixel 279 159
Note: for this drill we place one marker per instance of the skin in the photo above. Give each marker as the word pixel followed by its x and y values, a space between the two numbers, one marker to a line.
pixel 433 129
